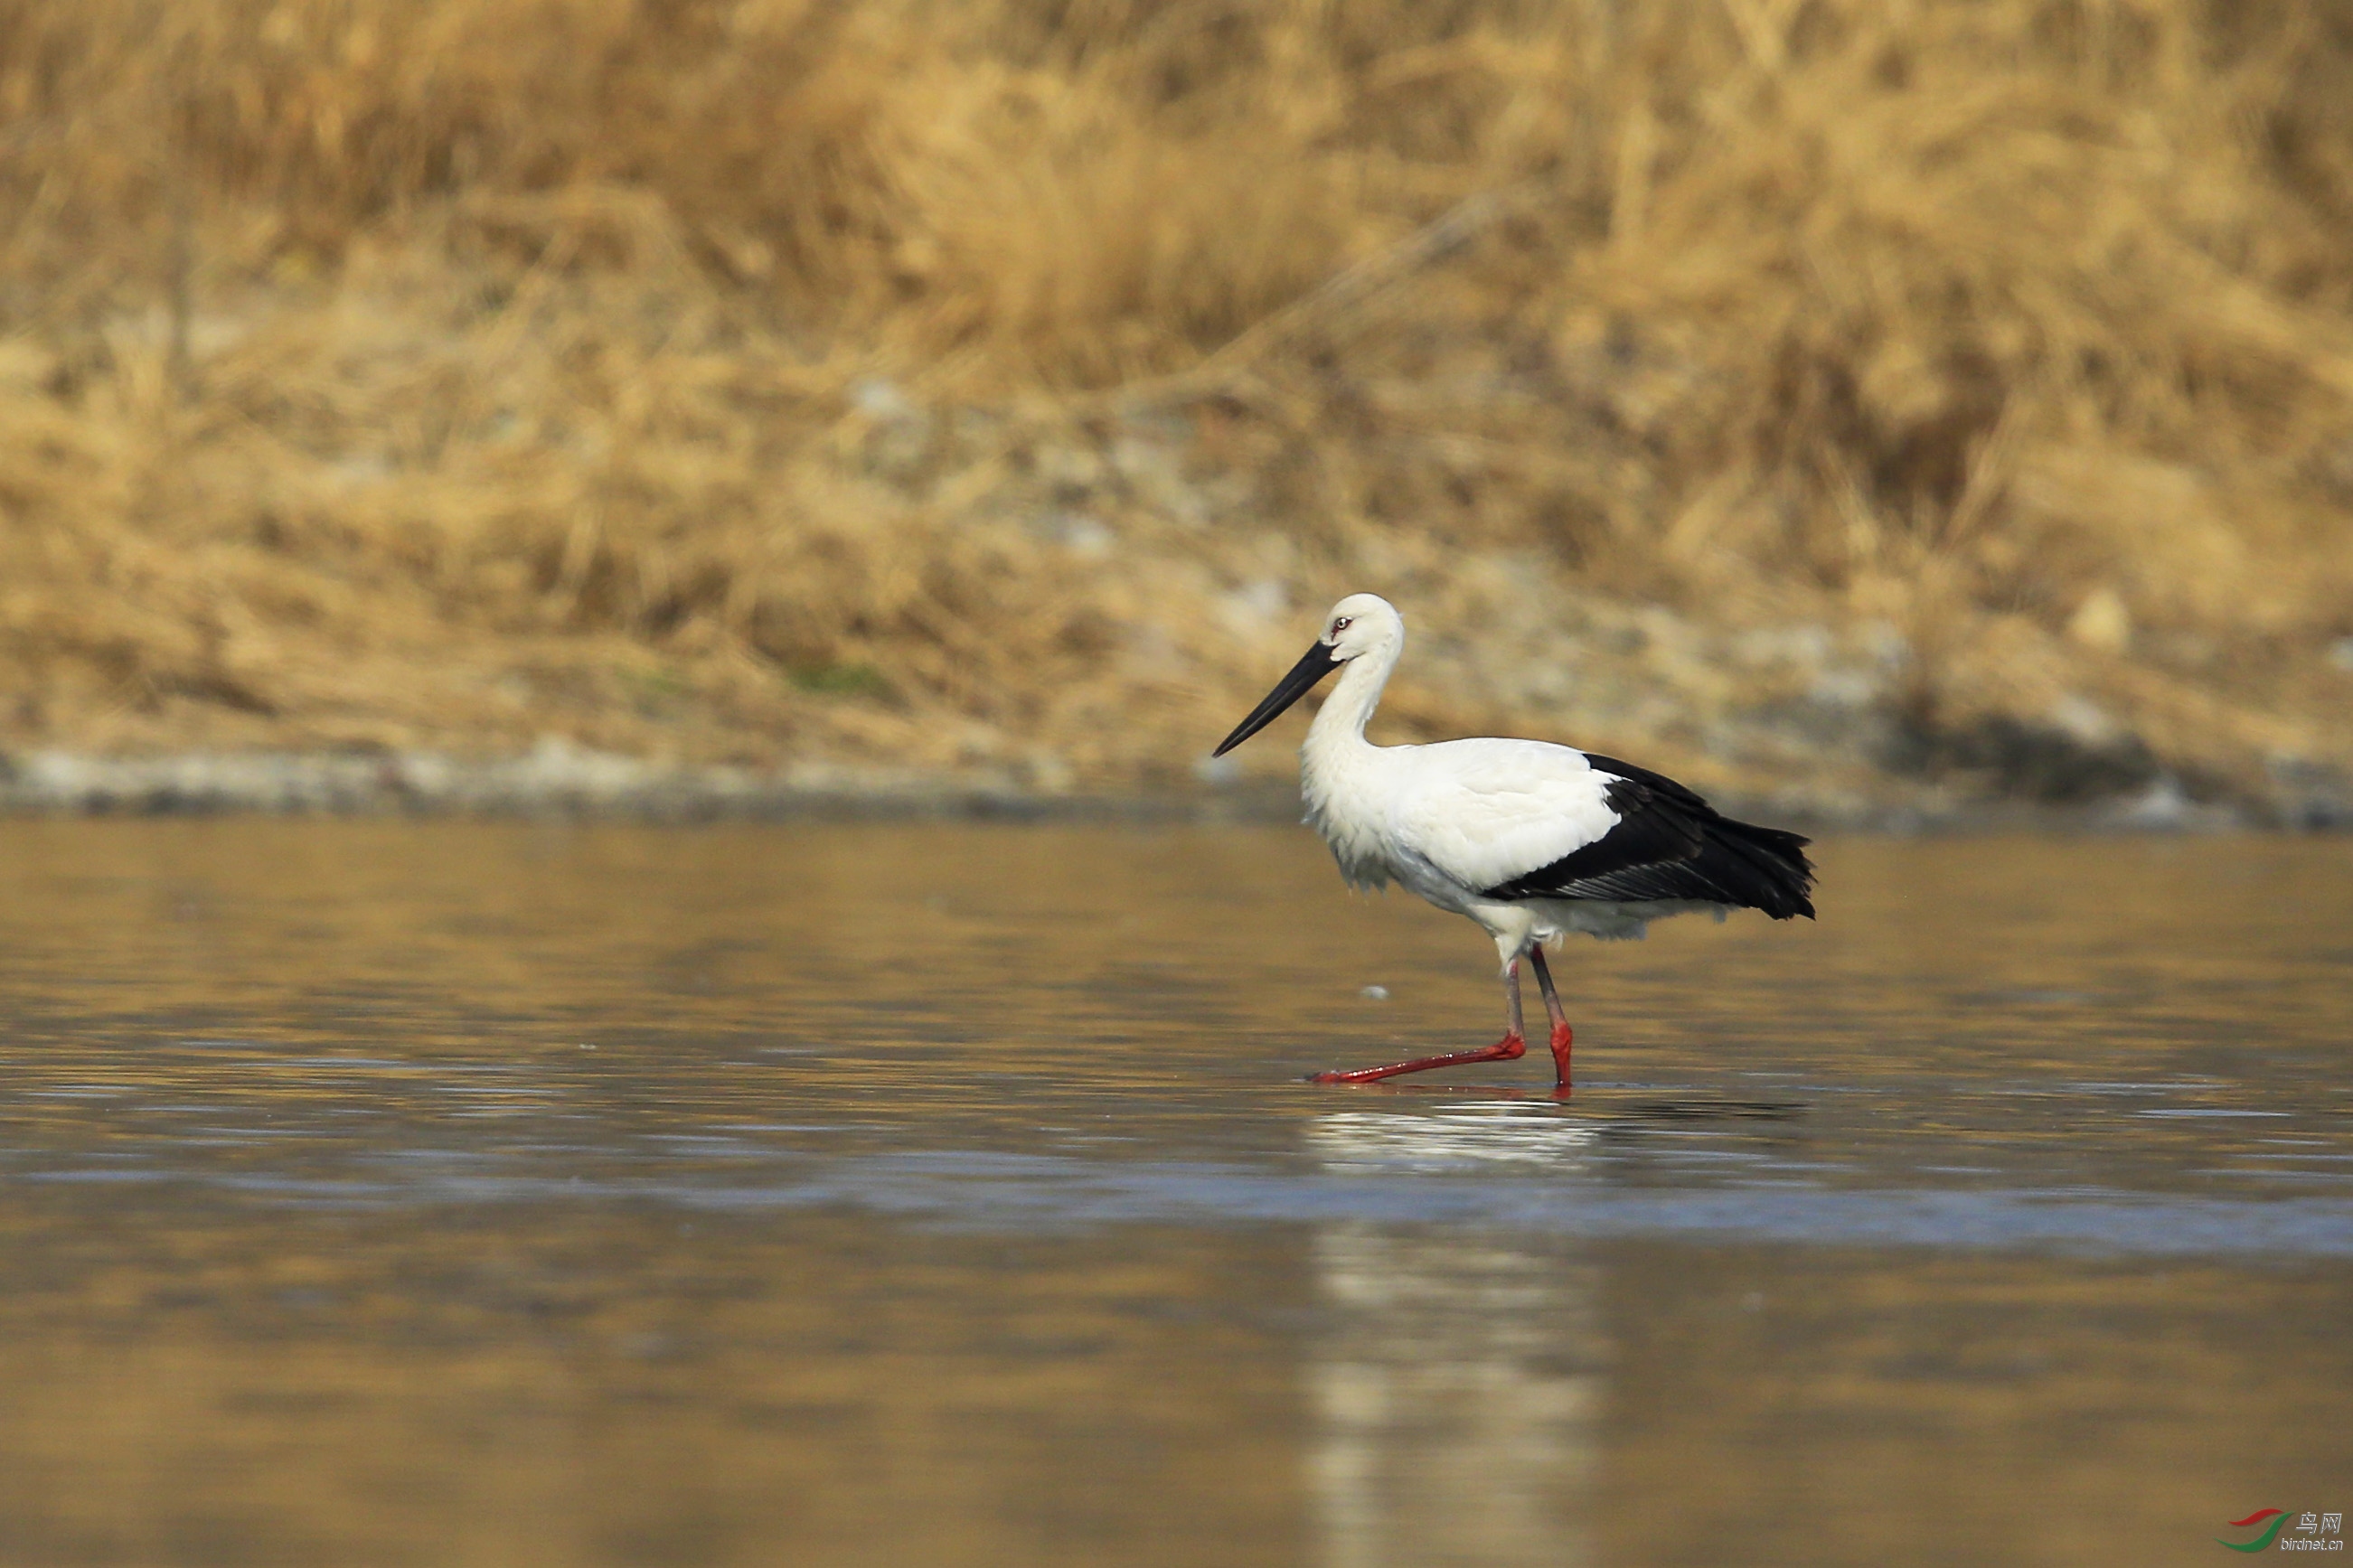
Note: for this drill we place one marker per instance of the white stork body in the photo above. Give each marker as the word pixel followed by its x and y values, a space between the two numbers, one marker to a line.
pixel 1451 820
pixel 1529 840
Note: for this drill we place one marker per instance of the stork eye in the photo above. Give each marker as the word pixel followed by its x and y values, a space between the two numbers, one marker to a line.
pixel 1342 624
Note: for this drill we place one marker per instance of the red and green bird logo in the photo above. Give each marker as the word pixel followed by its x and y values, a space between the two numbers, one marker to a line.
pixel 2278 1516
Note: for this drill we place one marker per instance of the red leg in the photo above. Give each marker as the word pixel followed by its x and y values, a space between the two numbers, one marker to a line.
pixel 1510 1047
pixel 1560 1035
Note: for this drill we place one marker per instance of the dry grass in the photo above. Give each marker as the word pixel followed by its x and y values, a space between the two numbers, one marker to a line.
pixel 1773 385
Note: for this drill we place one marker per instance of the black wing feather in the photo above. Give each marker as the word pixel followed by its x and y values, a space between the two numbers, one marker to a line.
pixel 1671 843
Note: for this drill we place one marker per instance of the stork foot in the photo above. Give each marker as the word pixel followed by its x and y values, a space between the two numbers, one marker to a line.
pixel 1560 1043
pixel 1510 1048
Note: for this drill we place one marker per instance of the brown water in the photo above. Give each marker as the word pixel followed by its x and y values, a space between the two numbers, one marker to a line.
pixel 526 1194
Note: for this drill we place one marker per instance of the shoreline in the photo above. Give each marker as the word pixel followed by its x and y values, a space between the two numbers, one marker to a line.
pixel 556 779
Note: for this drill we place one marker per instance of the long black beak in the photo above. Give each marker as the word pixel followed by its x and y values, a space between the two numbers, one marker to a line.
pixel 1313 666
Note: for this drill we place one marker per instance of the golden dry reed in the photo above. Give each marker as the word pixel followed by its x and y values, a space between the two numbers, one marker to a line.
pixel 1004 385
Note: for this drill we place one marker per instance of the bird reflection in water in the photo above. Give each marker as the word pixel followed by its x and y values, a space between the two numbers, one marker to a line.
pixel 1457 1389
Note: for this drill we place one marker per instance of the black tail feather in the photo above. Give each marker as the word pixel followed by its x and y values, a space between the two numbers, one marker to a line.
pixel 1766 867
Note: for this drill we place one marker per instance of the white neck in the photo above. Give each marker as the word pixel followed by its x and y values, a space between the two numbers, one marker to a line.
pixel 1341 724
pixel 1339 770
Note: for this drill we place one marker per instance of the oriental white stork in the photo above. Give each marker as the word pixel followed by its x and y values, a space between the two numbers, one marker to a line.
pixel 1530 839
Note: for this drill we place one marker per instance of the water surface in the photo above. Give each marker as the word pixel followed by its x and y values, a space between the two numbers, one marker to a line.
pixel 391 1193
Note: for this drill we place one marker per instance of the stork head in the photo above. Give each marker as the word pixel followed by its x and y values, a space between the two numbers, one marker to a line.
pixel 1358 625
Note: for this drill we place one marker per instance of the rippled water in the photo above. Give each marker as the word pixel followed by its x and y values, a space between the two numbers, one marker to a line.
pixel 388 1193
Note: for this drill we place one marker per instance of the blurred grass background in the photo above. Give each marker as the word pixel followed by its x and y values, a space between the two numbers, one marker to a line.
pixel 1851 401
